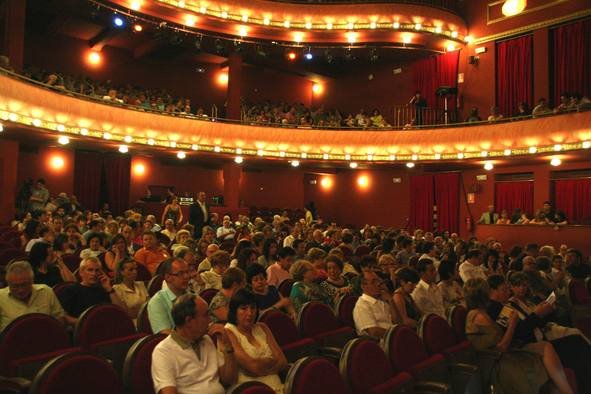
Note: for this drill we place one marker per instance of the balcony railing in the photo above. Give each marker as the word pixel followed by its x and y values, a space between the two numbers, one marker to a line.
pixel 450 5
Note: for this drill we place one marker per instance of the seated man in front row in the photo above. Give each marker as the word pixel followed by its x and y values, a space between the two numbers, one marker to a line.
pixel 187 361
pixel 177 276
pixel 22 297
pixel 374 311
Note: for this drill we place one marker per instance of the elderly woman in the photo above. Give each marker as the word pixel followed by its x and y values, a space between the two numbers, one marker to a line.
pixel 335 285
pixel 131 294
pixel 516 371
pixel 181 237
pixel 306 288
pixel 49 268
pixel 95 246
pixel 169 229
pixel 267 297
pixel 220 261
pixel 117 251
pixel 258 355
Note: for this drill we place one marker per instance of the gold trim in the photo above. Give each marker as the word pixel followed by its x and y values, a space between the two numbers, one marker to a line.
pixel 526 11
pixel 533 26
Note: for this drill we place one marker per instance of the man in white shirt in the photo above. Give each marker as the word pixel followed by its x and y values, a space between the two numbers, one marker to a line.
pixel 430 252
pixel 226 231
pixel 427 295
pixel 374 312
pixel 472 267
pixel 187 361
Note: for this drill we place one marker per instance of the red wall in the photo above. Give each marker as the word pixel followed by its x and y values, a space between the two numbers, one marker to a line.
pixel 272 188
pixel 43 164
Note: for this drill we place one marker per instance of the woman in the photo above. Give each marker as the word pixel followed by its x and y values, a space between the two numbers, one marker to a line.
pixel 246 257
pixel 181 237
pixel 75 241
pixel 169 229
pixel 269 256
pixel 335 285
pixel 258 355
pixel 267 297
pixel 449 286
pixel 131 294
pixel 117 251
pixel 95 246
pixel 408 312
pixel 516 371
pixel 306 288
pixel 519 217
pixel 173 211
pixel 377 120
pixel 504 219
pixel 539 218
pixel 49 269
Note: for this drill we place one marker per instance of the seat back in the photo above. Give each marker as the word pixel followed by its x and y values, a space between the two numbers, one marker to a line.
pixel 143 274
pixel 7 255
pixel 577 292
pixel 436 333
pixel 155 284
pixel 252 387
pixel 316 318
pixel 314 375
pixel 100 323
pixel 283 328
pixel 344 308
pixel 456 317
pixel 285 287
pixel 30 335
pixel 404 348
pixel 362 250
pixel 143 320
pixel 208 294
pixel 77 373
pixel 137 367
pixel 71 261
pixel 58 289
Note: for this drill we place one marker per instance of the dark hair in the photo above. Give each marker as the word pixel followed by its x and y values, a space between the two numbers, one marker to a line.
pixel 405 242
pixel 267 247
pixel 543 263
pixel 242 244
pixel 286 252
pixel 149 232
pixel 496 280
pixel 257 238
pixel 347 238
pixel 367 260
pixel 473 253
pixel 532 246
pixel 183 307
pixel 117 238
pixel 577 253
pixel 388 245
pixel 31 229
pixel 297 243
pixel 244 256
pixel 44 230
pixel 332 258
pixel 428 246
pixel 254 270
pixel 476 293
pixel 93 223
pixel 231 276
pixel 95 235
pixel 408 275
pixel 165 267
pixel 120 266
pixel 240 298
pixel 38 254
pixel 518 278
pixel 446 269
pixel 423 264
pixel 515 251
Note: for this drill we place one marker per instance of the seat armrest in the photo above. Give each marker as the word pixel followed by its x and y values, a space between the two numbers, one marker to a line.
pixel 283 373
pixel 463 368
pixel 427 387
pixel 332 353
pixel 489 354
pixel 14 385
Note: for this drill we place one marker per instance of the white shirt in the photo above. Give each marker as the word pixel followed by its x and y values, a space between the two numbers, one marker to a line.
pixel 428 298
pixel 32 242
pixel 225 232
pixel 470 271
pixel 370 312
pixel 204 210
pixel 175 364
pixel 288 241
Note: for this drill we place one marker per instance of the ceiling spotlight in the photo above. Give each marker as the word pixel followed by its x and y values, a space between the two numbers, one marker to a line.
pixel 291 55
pixel 488 166
pixel 150 141
pixel 437 156
pixel 507 152
pixel 532 149
pixel 450 47
pixel 172 144
pixel 513 7
pixel 242 31
pixel 396 25
pixel 308 56
pixel 282 154
pixel 410 164
pixel 107 136
pixel 12 117
pixel 329 25
pixel 118 21
pixel 135 5
pixel 406 39
pixel 36 122
pixel 353 165
pixel 217 149
pixel 181 155
pixel 137 28
pixel 460 155
pixel 557 147
pixel 438 29
pixel 555 162
pixel 414 157
pixel 1 127
pixel 351 37
pixel 203 9
pixel 347 157
pixel 586 144
pixel 484 154
pixel 392 157
pixel 224 14
pixel 123 148
pixel 181 3
pixel 244 18
pixel 369 157
pixel 128 139
pixel 238 159
pixel 190 20
pixel 63 140
pixel 286 24
pixel 260 152
pixel 61 128
pixel 298 36
pixel 84 131
pixel 238 151
pixel 195 147
pixel 295 163
pixel 373 25
pixel 303 155
pixel 468 39
pixel 266 21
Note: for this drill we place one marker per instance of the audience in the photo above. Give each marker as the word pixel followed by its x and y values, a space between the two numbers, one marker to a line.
pixel 335 285
pixel 220 261
pixel 267 297
pixel 176 275
pixel 152 253
pixel 131 294
pixel 233 280
pixel 406 309
pixel 280 270
pixel 306 287
pixel 49 269
pixel 472 267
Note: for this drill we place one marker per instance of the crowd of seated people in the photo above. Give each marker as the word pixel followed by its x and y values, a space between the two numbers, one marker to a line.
pixel 547 215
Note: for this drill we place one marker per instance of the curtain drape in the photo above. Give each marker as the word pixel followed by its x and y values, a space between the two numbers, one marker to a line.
pixel 433 72
pixel 116 171
pixel 421 202
pixel 512 195
pixel 573 197
pixel 571 59
pixel 447 192
pixel 87 178
pixel 514 74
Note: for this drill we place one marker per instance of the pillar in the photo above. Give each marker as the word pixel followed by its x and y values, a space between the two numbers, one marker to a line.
pixel 234 86
pixel 541 58
pixel 8 176
pixel 14 32
pixel 232 174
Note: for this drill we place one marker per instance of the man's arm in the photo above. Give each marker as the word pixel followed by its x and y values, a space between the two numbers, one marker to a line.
pixel 158 316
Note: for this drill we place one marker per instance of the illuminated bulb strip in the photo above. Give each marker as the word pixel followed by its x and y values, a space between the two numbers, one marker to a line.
pixel 36 122
pixel 128 139
pixel 304 155
pixel 61 128
pixel 195 147
pixel 84 131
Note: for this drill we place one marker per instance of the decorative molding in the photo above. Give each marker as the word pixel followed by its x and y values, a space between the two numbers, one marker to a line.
pixel 490 21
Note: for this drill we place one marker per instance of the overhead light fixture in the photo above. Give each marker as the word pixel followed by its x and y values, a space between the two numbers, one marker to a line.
pixel 454 34
pixel 217 149
pixel 61 128
pixel 195 147
pixel 329 25
pixel 410 164
pixel 181 155
pixel 151 141
pixel 451 47
pixel 488 166
pixel 507 152
pixel 84 131
pixel 202 9
pixel 242 31
pixel 369 157
pixel 260 152
pixel 555 162
pixel 353 165
pixel 266 21
pixel 286 24
pixel 347 157
pixel 532 149
pixel 392 157
pixel 137 28
pixel 418 26
pixel 484 154
pixel 238 159
pixel 414 157
pixel 63 140
pixel 118 21
pixel 298 36
pixel 172 144
pixel 406 39
pixel 282 154
pixel 123 148
pixel 438 29
pixel 325 156
pixel 437 156
pixel 224 14
pixel 373 25
pixel 303 155
pixel 351 37
pixel 36 122
pixel 396 25
pixel 308 25
pixel 244 18
pixel 107 136
pixel 586 144
pixel 513 7
pixel 128 139
pixel 557 148
pixel 135 5
pixel 460 155
pixel 295 163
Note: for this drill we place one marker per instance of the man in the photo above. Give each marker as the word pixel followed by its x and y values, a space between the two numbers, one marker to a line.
pixel 472 267
pixel 233 280
pixel 406 251
pixel 199 214
pixel 152 253
pixel 154 227
pixel 94 227
pixel 176 275
pixel 374 311
pixel 226 231
pixel 541 109
pixel 46 234
pixel 420 105
pixel 430 252
pixel 489 217
pixel 279 271
pixel 295 234
pixel 94 288
pixel 299 245
pixel 220 261
pixel 575 266
pixel 39 196
pixel 549 211
pixel 22 297
pixel 427 295
pixel 187 361
pixel 205 264
pixel 214 221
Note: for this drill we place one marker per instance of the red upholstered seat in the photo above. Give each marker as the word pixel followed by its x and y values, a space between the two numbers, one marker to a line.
pixel 317 320
pixel 71 261
pixel 143 320
pixel 287 335
pixel 250 388
pixel 29 341
pixel 285 287
pixel 77 373
pixel 456 317
pixel 578 293
pixel 208 294
pixel 59 288
pixel 143 274
pixel 137 376
pixel 7 255
pixel 344 309
pixel 314 375
pixel 362 250
pixel 366 369
pixel 155 284
pixel 439 337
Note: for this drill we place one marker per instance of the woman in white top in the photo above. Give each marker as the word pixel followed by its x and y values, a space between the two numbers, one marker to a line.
pixel 95 246
pixel 132 294
pixel 258 355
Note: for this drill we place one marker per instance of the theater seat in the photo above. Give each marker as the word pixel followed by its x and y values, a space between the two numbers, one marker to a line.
pixel 250 388
pixel 8 255
pixel 137 368
pixel 580 305
pixel 208 294
pixel 366 370
pixel 285 287
pixel 71 261
pixel 317 321
pixel 456 317
pixel 77 373
pixel 362 250
pixel 287 335
pixel 344 309
pixel 108 331
pixel 143 274
pixel 29 341
pixel 59 288
pixel 143 320
pixel 155 284
pixel 314 375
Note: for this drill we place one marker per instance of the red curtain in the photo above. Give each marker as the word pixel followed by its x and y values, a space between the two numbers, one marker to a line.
pixel 514 74
pixel 512 195
pixel 573 197
pixel 421 202
pixel 117 177
pixel 87 178
pixel 433 72
pixel 447 192
pixel 572 59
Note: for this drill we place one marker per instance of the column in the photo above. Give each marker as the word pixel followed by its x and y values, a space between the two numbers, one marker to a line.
pixel 234 82
pixel 541 66
pixel 232 174
pixel 8 175
pixel 14 32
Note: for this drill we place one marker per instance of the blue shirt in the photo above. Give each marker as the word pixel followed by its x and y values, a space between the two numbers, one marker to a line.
pixel 160 310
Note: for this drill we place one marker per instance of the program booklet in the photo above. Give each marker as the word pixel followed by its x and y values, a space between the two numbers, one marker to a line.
pixel 503 319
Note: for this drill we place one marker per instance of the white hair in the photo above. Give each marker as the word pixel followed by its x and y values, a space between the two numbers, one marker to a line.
pixel 19 267
pixel 88 260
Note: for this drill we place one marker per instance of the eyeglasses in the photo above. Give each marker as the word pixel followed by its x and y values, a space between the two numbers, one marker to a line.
pixel 181 273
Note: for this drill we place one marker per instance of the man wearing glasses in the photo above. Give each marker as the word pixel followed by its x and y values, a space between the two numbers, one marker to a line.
pixel 22 297
pixel 177 276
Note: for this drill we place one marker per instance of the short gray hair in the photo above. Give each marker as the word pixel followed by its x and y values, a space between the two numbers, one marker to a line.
pixel 87 260
pixel 19 267
pixel 181 251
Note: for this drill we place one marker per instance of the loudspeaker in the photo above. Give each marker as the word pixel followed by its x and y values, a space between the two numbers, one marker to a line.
pixel 473 59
